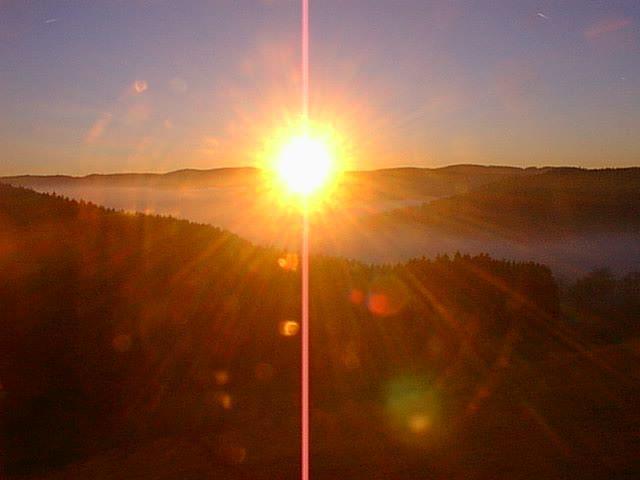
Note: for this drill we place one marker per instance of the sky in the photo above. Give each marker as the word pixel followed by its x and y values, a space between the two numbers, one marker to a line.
pixel 160 85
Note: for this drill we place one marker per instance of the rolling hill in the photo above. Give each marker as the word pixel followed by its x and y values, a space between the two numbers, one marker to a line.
pixel 390 184
pixel 558 202
pixel 245 201
pixel 572 220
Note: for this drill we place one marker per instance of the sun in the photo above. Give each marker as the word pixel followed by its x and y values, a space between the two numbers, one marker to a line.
pixel 304 164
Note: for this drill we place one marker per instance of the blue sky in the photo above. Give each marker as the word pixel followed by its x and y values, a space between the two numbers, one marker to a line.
pixel 159 85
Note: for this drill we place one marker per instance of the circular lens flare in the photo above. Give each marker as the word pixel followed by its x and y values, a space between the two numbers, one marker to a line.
pixel 304 164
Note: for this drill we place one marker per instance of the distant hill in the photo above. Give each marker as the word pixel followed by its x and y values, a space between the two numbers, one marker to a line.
pixel 385 184
pixel 555 203
pixel 573 220
pixel 249 203
pixel 410 182
pixel 189 178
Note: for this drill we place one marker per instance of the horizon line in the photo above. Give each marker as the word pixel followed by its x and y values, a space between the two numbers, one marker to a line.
pixel 250 167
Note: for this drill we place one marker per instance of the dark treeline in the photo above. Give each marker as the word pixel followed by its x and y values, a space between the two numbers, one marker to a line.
pixel 603 308
pixel 118 329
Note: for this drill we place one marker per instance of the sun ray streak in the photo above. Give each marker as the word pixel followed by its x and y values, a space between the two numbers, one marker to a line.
pixel 305 346
pixel 305 257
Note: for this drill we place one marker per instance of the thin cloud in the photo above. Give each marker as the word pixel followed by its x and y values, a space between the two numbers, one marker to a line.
pixel 98 127
pixel 606 26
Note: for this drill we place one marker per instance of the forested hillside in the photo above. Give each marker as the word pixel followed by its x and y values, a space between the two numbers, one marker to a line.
pixel 121 331
pixel 555 203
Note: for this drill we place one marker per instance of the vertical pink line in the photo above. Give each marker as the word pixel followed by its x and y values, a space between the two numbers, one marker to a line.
pixel 305 259
pixel 305 346
pixel 305 59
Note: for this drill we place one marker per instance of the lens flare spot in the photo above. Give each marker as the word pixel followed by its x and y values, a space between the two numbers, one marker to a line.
pixel 140 86
pixel 289 262
pixel 356 296
pixel 224 400
pixel 387 296
pixel 419 423
pixel 351 360
pixel 221 377
pixel 288 328
pixel 230 448
pixel 414 408
pixel 379 304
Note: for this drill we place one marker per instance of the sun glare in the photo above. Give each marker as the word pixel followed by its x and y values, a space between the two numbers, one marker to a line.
pixel 304 164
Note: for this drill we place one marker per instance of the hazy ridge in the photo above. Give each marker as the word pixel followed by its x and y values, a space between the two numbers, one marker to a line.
pixel 573 220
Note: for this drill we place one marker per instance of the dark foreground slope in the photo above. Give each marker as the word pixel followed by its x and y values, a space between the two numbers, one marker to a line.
pixel 145 347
